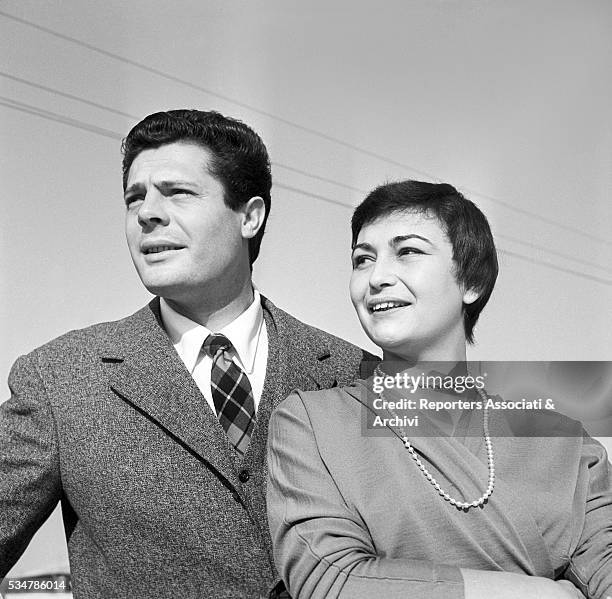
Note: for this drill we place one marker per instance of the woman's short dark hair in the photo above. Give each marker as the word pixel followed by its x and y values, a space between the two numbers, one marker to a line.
pixel 239 159
pixel 465 226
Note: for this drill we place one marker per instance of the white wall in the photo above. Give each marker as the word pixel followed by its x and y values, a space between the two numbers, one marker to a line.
pixel 508 101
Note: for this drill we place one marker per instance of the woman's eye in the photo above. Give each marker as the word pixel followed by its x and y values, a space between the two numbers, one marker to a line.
pixel 360 260
pixel 409 250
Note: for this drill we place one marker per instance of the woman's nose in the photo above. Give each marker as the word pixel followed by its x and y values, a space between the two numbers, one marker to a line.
pixel 382 274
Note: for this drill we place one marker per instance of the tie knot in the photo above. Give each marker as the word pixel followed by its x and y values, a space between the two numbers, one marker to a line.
pixel 215 343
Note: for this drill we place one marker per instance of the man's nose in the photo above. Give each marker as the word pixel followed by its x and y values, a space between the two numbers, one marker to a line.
pixel 152 211
pixel 382 274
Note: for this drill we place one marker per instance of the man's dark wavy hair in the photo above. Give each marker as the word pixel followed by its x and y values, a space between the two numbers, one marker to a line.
pixel 239 159
pixel 465 225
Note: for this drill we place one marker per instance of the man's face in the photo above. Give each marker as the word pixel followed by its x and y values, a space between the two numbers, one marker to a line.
pixel 182 237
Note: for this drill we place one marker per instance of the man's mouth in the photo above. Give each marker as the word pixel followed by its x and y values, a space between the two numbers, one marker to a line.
pixel 385 306
pixel 156 249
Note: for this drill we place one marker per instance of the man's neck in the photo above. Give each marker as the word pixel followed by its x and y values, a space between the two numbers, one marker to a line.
pixel 214 315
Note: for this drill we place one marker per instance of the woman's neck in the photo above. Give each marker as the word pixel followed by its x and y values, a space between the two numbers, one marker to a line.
pixel 412 357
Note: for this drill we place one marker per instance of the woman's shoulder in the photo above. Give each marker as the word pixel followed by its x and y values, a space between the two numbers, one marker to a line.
pixel 331 424
pixel 326 409
pixel 350 397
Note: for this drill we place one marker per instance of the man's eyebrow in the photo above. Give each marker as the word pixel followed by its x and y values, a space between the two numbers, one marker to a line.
pixel 400 238
pixel 161 185
pixel 133 187
pixel 169 183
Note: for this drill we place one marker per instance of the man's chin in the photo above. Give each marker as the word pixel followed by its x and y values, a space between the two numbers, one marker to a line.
pixel 166 289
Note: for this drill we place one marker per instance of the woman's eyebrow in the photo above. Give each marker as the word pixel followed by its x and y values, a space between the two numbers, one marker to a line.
pixel 399 238
pixel 362 246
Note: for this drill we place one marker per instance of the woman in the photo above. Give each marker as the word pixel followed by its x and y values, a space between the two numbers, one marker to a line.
pixel 419 513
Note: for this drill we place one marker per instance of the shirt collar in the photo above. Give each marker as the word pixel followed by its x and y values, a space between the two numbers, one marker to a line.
pixel 188 336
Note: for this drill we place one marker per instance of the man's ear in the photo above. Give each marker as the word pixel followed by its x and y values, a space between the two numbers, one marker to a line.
pixel 253 215
pixel 470 296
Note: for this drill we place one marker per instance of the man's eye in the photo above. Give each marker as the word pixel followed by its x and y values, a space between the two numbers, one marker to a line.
pixel 131 200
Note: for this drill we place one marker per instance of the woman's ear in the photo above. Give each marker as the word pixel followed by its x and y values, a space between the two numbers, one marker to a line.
pixel 470 296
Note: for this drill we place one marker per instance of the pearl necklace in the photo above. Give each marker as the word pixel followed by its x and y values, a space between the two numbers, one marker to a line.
pixel 489 447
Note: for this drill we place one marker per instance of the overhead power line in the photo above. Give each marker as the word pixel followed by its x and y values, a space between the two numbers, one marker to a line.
pixel 53 116
pixel 555 267
pixel 63 94
pixel 28 109
pixel 541 248
pixel 305 129
pixel 544 263
pixel 88 102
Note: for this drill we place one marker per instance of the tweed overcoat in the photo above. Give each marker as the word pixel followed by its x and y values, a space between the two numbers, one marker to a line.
pixel 108 421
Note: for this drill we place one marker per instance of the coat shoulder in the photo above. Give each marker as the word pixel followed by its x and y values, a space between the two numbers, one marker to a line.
pixel 78 343
pixel 305 336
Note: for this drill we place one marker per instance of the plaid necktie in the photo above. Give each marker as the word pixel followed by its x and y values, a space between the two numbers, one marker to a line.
pixel 231 392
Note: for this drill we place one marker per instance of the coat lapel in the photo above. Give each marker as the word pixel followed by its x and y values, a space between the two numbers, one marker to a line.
pixel 145 371
pixel 295 361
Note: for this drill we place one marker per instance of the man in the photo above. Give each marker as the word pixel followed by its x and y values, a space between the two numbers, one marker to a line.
pixel 151 430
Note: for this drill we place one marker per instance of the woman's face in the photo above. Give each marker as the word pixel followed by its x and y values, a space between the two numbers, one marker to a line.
pixel 404 289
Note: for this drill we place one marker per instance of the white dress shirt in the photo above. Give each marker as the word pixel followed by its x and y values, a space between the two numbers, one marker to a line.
pixel 248 336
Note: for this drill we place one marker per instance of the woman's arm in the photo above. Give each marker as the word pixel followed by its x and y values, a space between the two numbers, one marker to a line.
pixel 482 584
pixel 323 549
pixel 591 560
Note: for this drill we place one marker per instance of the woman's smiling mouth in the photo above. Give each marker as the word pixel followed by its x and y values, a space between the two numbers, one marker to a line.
pixel 383 306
